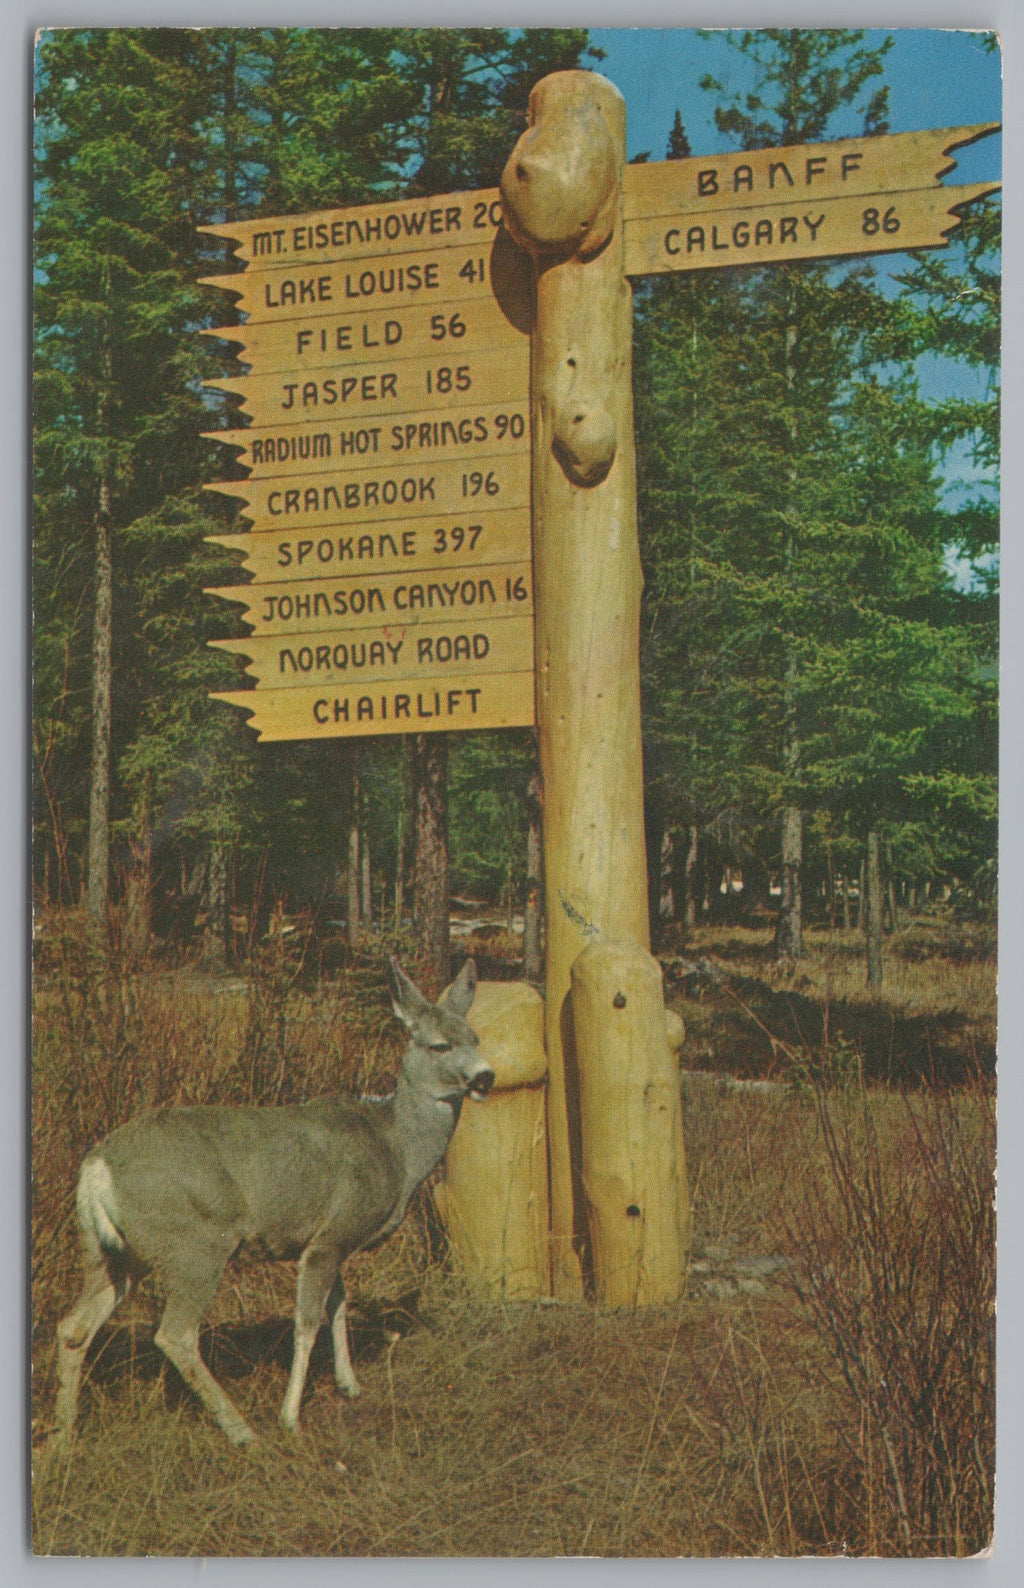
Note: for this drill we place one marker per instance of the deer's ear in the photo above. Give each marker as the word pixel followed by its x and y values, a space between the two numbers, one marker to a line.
pixel 459 995
pixel 406 999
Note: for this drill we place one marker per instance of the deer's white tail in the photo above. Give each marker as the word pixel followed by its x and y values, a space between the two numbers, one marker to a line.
pixel 96 1200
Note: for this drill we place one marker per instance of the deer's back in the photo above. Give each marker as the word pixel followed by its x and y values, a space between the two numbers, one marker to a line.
pixel 272 1177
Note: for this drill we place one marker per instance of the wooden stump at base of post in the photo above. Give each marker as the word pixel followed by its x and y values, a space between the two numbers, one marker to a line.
pixel 634 1159
pixel 493 1200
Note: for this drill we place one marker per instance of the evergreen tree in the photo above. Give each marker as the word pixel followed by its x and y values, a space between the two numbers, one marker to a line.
pixel 678 147
pixel 118 412
pixel 804 646
pixel 804 77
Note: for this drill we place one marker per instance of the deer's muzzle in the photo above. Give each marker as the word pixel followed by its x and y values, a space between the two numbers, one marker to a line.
pixel 480 1084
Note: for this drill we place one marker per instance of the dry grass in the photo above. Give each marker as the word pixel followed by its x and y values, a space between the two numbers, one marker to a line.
pixel 933 1020
pixel 843 1407
pixel 931 966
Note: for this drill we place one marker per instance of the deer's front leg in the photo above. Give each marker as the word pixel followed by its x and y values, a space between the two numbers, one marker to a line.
pixel 344 1372
pixel 318 1269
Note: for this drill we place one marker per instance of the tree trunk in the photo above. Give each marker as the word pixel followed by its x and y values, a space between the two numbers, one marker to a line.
pixel 861 891
pixel 890 892
pixel 846 900
pixel 789 937
pixel 399 902
pixel 432 904
pixel 366 905
pixel 98 874
pixel 757 891
pixel 218 926
pixel 873 910
pixel 230 109
pixel 405 822
pixel 666 892
pixel 533 908
pixel 353 879
pixel 138 894
pixel 654 837
pixel 353 882
pixel 692 879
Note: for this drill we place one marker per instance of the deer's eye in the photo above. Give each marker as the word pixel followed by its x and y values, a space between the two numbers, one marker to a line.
pixel 440 1047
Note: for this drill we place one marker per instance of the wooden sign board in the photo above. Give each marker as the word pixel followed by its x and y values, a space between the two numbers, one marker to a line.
pixel 324 341
pixel 388 489
pixel 402 226
pixel 491 269
pixel 471 432
pixel 794 174
pixel 390 386
pixel 370 600
pixel 393 650
pixel 768 234
pixel 436 544
pixel 467 700
pixel 400 492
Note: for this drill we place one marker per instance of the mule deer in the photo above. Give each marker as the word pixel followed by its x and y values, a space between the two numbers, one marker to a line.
pixel 181 1190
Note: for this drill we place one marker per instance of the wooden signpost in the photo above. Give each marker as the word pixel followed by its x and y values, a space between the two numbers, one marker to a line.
pixel 388 457
pixel 429 380
pixel 811 201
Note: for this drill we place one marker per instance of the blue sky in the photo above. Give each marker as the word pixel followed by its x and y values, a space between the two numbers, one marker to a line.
pixel 936 78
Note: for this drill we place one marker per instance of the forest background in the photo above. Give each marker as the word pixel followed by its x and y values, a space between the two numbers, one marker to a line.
pixel 817 449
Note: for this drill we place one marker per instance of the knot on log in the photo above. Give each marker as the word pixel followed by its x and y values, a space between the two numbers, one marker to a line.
pixel 560 186
pixel 584 441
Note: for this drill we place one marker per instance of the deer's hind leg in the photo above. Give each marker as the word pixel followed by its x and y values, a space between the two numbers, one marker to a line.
pixel 188 1296
pixel 100 1294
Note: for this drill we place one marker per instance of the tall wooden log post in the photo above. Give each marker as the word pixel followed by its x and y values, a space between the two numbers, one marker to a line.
pixel 562 193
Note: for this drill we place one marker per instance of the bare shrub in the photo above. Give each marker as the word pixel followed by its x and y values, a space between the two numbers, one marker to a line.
pixel 893 1220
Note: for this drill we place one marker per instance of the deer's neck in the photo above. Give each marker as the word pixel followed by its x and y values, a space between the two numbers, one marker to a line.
pixel 423 1128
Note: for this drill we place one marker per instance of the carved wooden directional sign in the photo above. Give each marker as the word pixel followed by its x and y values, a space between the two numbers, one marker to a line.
pixel 398 227
pixel 387 386
pixel 439 543
pixel 388 458
pixel 320 341
pixel 388 434
pixel 765 206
